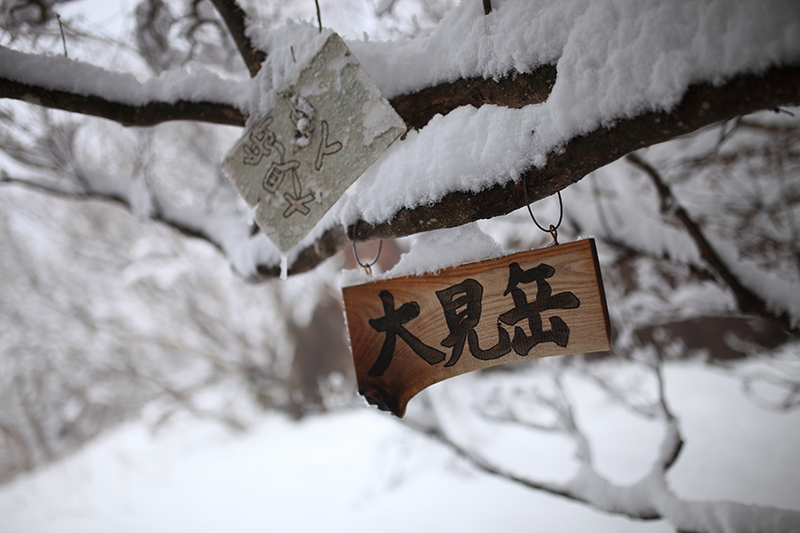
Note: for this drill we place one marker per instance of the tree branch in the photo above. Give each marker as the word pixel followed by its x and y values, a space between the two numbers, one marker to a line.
pixel 234 18
pixel 650 498
pixel 747 300
pixel 158 214
pixel 127 114
pixel 514 90
pixel 702 105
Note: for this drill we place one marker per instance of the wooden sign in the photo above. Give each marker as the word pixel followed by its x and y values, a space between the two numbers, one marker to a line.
pixel 411 332
pixel 294 163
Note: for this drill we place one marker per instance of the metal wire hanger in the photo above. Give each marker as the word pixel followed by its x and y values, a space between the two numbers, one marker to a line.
pixel 552 230
pixel 366 266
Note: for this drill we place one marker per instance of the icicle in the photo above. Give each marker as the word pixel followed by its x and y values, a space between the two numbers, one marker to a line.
pixel 284 267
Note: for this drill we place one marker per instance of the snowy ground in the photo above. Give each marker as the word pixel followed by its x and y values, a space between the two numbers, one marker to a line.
pixel 359 470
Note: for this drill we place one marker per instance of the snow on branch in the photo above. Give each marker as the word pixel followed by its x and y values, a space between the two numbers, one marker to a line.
pixel 61 83
pixel 702 105
pixel 648 498
pixel 494 100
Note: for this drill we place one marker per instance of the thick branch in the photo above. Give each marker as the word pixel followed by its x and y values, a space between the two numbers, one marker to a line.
pixel 514 90
pixel 702 105
pixel 747 300
pixel 234 18
pixel 150 114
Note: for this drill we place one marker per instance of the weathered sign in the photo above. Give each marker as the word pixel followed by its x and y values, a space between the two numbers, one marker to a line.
pixel 294 163
pixel 411 332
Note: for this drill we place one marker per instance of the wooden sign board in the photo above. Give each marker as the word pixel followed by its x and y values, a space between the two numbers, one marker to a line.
pixel 294 163
pixel 411 332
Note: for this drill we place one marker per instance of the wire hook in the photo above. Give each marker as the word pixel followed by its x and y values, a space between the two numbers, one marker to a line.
pixel 366 266
pixel 552 230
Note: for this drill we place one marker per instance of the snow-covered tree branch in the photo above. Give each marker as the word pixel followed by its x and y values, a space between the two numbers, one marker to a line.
pixel 565 159
pixel 648 498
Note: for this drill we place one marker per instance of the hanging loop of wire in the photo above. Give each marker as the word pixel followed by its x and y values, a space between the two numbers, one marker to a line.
pixel 366 266
pixel 552 230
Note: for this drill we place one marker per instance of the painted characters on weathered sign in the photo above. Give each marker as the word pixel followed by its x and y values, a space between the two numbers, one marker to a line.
pixel 467 297
pixel 265 144
pixel 315 139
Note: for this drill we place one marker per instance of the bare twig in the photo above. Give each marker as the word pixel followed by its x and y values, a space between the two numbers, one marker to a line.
pixel 89 194
pixel 481 464
pixel 646 411
pixel 63 39
pixel 672 444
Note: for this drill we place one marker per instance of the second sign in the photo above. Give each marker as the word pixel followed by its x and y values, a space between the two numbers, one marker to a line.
pixel 411 332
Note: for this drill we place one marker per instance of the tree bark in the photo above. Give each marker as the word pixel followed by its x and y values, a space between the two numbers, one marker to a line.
pixel 702 105
pixel 127 114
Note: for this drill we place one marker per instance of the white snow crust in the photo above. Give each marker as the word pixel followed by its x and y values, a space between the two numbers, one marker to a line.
pixel 62 74
pixel 372 469
pixel 615 59
pixel 435 250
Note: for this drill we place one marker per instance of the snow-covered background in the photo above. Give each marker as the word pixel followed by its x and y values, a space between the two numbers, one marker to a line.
pixel 356 468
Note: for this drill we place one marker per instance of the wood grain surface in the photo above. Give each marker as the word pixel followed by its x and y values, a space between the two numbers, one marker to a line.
pixel 408 333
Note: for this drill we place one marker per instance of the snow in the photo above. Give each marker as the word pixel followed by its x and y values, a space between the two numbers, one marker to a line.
pixel 467 150
pixel 290 49
pixel 433 251
pixel 648 50
pixel 353 469
pixel 63 74
pixel 615 59
pixel 349 470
